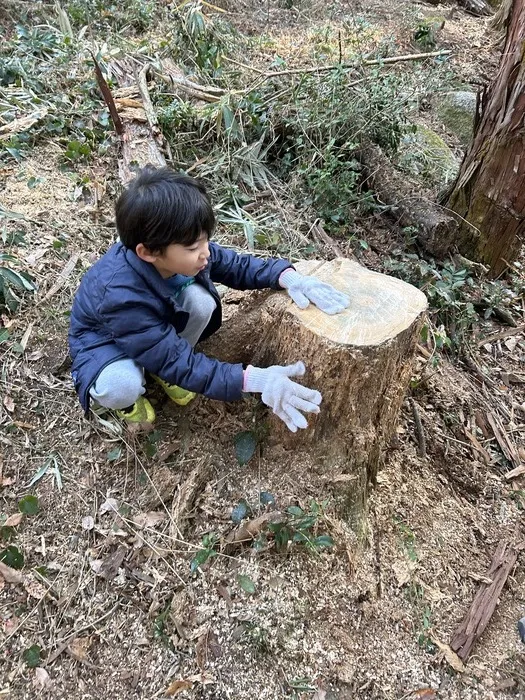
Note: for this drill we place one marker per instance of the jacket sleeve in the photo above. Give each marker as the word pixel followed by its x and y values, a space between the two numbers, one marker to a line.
pixel 245 271
pixel 152 342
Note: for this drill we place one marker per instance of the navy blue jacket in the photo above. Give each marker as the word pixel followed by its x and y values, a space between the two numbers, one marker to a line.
pixel 124 308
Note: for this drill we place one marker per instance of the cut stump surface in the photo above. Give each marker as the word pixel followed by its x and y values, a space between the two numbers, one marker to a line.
pixel 360 360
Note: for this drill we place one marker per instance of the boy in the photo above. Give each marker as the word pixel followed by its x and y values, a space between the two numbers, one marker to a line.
pixel 148 301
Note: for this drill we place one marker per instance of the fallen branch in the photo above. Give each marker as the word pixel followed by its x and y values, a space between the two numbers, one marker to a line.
pixel 486 599
pixel 436 228
pixel 62 276
pixel 514 473
pixel 421 441
pixel 502 334
pixel 504 441
pixel 354 64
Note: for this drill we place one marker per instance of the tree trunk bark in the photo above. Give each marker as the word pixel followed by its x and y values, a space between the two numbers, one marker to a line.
pixel 489 194
pixel 360 360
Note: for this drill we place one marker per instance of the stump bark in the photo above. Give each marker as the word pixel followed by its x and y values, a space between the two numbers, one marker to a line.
pixel 360 360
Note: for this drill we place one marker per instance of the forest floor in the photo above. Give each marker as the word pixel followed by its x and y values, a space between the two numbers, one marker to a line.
pixel 107 606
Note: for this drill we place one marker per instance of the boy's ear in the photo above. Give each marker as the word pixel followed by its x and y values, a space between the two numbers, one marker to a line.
pixel 145 253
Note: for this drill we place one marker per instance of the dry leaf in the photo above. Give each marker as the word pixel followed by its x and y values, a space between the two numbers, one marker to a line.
pixel 109 506
pixel 403 571
pixel 450 655
pixel 10 575
pixel 34 588
pixel 319 694
pixel 178 687
pixel 14 520
pixel 88 523
pixel 149 519
pixel 425 694
pixel 111 564
pixel 207 649
pixel 8 480
pixel 9 403
pixel 511 343
pixel 225 594
pixel 41 679
pixel 79 647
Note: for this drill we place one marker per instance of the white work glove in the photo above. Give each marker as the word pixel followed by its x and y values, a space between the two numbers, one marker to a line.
pixel 284 397
pixel 304 289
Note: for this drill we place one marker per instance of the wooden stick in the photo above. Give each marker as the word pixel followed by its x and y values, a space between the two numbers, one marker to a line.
pixel 506 445
pixel 502 334
pixel 355 64
pixel 478 616
pixel 422 443
pixel 108 97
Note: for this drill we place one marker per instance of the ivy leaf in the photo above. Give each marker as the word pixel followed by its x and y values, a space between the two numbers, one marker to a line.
pixel 266 499
pixel 240 511
pixel 28 505
pixel 200 558
pixel 32 656
pixel 295 511
pixel 12 556
pixel 245 582
pixel 245 444
pixel 7 532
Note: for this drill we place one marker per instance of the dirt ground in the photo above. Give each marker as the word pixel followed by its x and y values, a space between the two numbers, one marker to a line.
pixel 107 592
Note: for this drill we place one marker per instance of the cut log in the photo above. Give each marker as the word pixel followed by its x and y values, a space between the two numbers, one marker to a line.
pixel 360 360
pixel 484 604
pixel 436 228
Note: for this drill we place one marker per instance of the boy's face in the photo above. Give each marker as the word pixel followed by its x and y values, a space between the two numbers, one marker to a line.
pixel 178 259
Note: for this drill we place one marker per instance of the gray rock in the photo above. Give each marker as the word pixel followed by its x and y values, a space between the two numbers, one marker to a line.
pixel 425 155
pixel 457 111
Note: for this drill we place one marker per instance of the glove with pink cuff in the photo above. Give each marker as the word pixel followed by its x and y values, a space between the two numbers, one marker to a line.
pixel 304 289
pixel 286 398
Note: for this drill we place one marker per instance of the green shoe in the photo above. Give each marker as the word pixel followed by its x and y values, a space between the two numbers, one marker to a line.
pixel 141 412
pixel 176 394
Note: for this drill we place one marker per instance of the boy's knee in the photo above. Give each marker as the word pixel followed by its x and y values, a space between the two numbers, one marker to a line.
pixel 118 387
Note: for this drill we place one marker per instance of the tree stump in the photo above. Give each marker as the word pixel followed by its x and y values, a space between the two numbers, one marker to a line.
pixel 360 360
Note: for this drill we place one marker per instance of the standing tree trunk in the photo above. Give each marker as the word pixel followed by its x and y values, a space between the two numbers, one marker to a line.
pixel 489 194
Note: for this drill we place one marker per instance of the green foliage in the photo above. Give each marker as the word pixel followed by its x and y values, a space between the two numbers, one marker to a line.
pixel 32 656
pixel 245 446
pixel 300 527
pixel 208 550
pixel 12 556
pixel 45 74
pixel 160 627
pixel 448 288
pixel 408 538
pixel 132 16
pixel 242 510
pixel 246 583
pixel 28 505
pixel 10 280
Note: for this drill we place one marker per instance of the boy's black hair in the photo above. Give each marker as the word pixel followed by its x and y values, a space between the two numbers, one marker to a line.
pixel 160 207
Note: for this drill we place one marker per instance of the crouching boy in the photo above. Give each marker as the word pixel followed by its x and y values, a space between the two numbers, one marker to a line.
pixel 151 298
